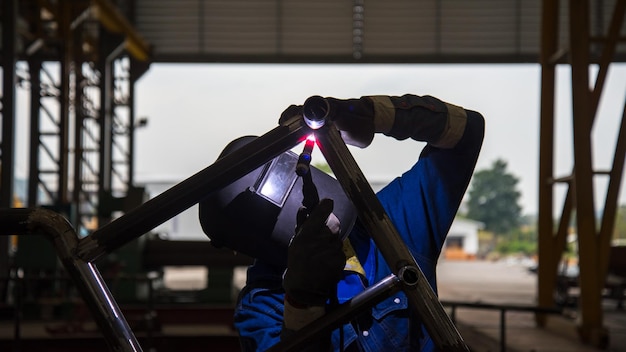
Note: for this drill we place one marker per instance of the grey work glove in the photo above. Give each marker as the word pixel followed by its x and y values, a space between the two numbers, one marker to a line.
pixel 315 258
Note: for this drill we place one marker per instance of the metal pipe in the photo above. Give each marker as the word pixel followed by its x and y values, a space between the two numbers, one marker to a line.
pixel 343 313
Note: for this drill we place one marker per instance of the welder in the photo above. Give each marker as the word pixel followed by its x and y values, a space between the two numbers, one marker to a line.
pixel 311 256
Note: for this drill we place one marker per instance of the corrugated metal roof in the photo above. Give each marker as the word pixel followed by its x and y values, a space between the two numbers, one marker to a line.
pixel 349 30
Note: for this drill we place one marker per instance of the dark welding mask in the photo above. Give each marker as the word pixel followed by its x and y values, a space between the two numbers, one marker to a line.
pixel 256 214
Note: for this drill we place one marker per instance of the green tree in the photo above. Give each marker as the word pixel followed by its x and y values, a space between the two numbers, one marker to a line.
pixel 620 224
pixel 494 199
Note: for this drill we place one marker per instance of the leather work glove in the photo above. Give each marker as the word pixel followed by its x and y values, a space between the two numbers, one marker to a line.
pixel 354 118
pixel 315 258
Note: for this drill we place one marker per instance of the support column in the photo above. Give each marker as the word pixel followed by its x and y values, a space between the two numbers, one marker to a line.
pixel 548 259
pixel 9 39
pixel 34 69
pixel 7 144
pixel 67 65
pixel 591 328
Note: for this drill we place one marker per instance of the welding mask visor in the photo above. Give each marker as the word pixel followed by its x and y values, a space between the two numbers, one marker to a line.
pixel 256 214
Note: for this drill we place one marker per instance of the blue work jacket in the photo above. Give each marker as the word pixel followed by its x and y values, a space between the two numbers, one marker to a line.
pixel 422 204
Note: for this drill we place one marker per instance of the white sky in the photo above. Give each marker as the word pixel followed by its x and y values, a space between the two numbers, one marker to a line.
pixel 194 110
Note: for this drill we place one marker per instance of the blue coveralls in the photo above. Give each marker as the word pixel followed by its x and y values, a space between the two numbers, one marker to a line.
pixel 422 204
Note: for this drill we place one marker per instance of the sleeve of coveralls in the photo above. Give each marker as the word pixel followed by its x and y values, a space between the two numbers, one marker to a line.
pixel 259 321
pixel 259 318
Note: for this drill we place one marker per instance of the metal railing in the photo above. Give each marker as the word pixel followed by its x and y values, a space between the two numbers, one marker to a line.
pixel 503 309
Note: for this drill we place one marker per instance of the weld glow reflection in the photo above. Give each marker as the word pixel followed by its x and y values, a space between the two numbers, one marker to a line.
pixel 314 124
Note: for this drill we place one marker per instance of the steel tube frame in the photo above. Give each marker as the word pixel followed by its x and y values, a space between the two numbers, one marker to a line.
pixel 78 254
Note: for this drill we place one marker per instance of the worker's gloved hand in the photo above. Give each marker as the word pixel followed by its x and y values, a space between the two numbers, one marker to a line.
pixel 355 119
pixel 315 258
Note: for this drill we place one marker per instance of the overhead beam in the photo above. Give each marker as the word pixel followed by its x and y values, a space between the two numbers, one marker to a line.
pixel 111 18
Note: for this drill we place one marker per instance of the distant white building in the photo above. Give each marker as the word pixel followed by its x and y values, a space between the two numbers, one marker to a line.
pixel 462 240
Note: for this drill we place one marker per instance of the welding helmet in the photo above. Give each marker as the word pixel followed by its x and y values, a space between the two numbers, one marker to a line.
pixel 256 214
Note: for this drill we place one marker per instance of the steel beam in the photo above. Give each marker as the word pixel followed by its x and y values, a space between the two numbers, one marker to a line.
pixel 590 302
pixel 617 169
pixel 7 143
pixel 7 155
pixel 548 261
pixel 110 17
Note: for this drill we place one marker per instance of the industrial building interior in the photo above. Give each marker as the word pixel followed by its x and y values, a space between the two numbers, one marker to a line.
pixel 79 61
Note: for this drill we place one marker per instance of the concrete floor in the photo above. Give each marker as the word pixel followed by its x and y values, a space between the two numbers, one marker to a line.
pixel 510 283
